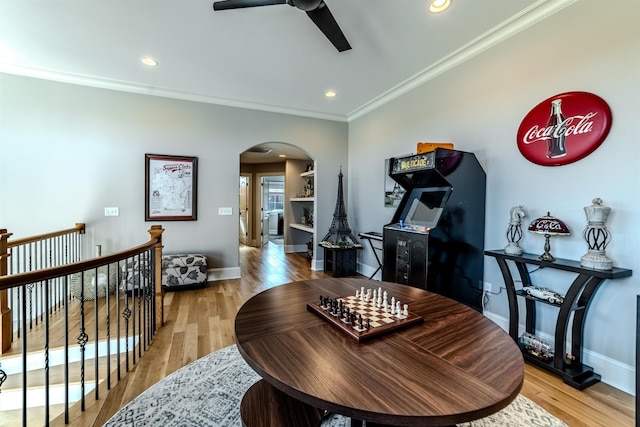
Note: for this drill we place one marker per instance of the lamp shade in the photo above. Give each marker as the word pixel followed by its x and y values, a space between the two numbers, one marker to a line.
pixel 549 226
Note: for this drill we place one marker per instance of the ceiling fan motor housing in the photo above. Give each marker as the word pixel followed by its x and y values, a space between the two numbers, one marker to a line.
pixel 305 5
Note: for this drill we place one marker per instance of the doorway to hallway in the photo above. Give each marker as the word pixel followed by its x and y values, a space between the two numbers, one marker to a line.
pixel 272 208
pixel 245 208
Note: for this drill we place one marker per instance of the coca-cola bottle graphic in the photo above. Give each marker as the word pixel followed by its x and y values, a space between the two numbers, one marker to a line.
pixel 555 143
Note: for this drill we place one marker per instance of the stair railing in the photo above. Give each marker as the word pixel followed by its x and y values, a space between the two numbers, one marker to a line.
pixel 28 254
pixel 114 303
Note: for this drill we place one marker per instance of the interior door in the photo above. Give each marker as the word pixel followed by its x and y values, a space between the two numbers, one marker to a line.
pixel 244 210
pixel 264 211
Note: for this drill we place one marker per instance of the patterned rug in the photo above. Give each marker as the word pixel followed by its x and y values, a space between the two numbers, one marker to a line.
pixel 208 392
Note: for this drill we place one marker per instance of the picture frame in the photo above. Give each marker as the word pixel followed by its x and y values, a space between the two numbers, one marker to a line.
pixel 171 184
pixel 393 192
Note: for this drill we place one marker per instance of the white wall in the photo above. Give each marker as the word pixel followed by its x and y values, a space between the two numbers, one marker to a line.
pixel 479 105
pixel 70 151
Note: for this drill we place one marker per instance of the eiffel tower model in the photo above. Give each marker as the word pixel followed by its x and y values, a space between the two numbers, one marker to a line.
pixel 340 235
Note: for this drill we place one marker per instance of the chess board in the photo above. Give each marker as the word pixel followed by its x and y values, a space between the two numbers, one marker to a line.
pixel 380 321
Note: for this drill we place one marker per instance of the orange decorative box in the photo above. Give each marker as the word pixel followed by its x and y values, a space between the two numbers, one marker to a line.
pixel 425 147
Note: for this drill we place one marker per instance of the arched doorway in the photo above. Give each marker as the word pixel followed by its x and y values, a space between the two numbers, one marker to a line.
pixel 273 172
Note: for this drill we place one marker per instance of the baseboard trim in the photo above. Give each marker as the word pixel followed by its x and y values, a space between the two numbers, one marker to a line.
pixel 295 248
pixel 214 274
pixel 613 372
pixel 367 271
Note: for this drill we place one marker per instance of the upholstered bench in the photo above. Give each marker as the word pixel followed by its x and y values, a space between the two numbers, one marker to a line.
pixel 184 270
pixel 135 273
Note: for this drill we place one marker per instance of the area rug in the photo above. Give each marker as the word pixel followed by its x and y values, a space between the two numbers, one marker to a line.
pixel 208 391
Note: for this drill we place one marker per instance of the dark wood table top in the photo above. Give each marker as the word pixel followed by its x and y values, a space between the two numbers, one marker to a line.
pixel 454 367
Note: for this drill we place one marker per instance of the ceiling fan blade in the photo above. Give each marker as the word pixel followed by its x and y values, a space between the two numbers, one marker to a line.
pixel 237 4
pixel 322 17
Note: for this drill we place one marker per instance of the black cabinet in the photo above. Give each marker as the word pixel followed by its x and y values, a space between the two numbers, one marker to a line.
pixel 341 262
pixel 566 362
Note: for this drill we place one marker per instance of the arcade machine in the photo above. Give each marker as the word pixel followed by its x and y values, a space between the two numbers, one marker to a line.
pixel 436 238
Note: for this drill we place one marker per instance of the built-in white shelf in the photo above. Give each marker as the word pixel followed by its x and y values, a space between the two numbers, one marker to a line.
pixel 302 199
pixel 302 227
pixel 308 173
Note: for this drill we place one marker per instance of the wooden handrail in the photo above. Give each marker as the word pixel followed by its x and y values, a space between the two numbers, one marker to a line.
pixel 79 228
pixel 19 279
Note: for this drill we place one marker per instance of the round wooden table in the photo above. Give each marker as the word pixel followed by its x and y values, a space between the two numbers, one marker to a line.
pixel 455 367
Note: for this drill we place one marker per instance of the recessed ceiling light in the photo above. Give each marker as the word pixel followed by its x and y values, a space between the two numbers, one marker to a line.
pixel 330 94
pixel 282 155
pixel 438 6
pixel 147 60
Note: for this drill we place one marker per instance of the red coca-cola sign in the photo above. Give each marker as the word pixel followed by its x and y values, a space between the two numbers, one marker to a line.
pixel 564 128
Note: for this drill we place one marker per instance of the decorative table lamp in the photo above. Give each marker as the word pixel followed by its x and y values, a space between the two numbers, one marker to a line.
pixel 549 226
pixel 597 237
pixel 514 232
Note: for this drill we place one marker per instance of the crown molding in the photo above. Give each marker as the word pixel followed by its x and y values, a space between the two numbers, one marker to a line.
pixel 122 86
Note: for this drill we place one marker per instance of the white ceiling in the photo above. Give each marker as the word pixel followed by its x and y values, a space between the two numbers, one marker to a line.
pixel 270 58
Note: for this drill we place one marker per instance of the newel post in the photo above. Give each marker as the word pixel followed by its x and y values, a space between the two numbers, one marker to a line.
pixel 6 321
pixel 156 233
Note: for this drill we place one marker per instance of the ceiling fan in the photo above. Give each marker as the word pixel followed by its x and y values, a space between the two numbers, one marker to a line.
pixel 317 10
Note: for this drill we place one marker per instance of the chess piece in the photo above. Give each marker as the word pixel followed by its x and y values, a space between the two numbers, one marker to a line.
pixel 398 311
pixel 406 310
pixel 514 232
pixel 597 237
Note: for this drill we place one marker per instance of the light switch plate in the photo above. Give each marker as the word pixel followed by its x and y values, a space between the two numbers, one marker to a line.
pixel 225 211
pixel 111 212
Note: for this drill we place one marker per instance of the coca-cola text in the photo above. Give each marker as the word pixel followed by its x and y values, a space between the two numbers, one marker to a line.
pixel 564 128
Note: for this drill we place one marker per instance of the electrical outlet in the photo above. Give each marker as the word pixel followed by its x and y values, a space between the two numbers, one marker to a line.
pixel 111 212
pixel 491 288
pixel 225 211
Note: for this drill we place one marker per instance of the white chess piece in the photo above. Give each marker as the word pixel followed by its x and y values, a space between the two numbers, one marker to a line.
pixel 406 310
pixel 357 294
pixel 393 306
pixel 362 292
pixel 398 311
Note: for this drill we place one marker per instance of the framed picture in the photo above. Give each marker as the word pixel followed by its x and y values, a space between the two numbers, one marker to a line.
pixel 170 188
pixel 393 192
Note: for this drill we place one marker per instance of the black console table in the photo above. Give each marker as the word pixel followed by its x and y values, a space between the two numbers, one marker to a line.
pixel 568 364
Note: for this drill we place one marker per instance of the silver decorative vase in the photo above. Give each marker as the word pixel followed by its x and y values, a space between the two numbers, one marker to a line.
pixel 597 237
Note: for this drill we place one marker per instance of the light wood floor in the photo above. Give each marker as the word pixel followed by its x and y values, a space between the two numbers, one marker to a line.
pixel 198 322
